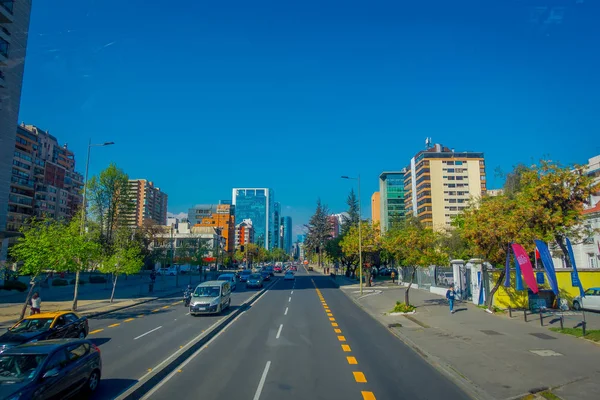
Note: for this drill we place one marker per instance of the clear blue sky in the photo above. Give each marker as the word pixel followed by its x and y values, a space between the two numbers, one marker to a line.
pixel 202 96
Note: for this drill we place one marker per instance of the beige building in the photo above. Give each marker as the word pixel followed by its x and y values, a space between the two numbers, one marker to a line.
pixel 375 208
pixel 149 203
pixel 439 184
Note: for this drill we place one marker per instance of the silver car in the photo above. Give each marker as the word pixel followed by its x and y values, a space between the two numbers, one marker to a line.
pixel 229 278
pixel 210 297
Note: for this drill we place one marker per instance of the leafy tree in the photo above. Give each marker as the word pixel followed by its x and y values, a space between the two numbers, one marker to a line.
pixel 36 251
pixel 278 254
pixel 319 231
pixel 371 245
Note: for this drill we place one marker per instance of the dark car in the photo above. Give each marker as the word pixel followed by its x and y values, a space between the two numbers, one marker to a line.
pixel 55 325
pixel 245 274
pixel 266 275
pixel 254 281
pixel 52 369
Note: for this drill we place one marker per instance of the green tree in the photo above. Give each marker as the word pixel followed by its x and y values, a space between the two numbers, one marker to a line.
pixel 319 231
pixel 371 245
pixel 36 251
pixel 353 216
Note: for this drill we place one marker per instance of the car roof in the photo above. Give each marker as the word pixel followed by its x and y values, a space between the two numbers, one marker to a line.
pixel 53 314
pixel 227 275
pixel 212 283
pixel 43 346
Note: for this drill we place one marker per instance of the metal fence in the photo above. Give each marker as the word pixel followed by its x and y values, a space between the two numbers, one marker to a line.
pixel 427 277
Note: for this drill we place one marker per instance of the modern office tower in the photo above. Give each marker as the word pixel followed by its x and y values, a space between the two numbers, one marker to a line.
pixel 391 198
pixel 220 216
pixel 376 207
pixel 287 234
pixel 439 183
pixel 276 227
pixel 257 204
pixel 149 203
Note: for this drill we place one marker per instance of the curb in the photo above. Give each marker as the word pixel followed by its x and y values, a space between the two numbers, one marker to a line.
pixel 144 385
pixel 470 388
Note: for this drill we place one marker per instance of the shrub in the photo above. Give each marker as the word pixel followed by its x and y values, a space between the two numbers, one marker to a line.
pixel 81 281
pixel 16 285
pixel 60 282
pixel 97 279
pixel 404 308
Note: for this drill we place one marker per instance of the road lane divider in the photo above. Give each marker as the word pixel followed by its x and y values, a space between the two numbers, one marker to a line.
pixel 286 310
pixel 342 338
pixel 351 360
pixel 114 325
pixel 96 331
pixel 261 383
pixel 346 348
pixel 279 331
pixel 144 334
pixel 290 300
pixel 359 377
pixel 368 395
pixel 129 320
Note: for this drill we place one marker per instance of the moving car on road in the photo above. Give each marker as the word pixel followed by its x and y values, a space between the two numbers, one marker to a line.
pixel 278 269
pixel 265 275
pixel 591 301
pixel 229 278
pixel 211 297
pixel 52 325
pixel 245 274
pixel 289 276
pixel 51 369
pixel 254 281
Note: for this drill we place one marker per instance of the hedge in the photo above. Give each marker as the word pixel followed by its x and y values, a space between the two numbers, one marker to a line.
pixel 81 281
pixel 60 282
pixel 16 285
pixel 97 279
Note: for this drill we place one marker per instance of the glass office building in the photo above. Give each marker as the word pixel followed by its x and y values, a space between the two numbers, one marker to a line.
pixel 258 205
pixel 391 189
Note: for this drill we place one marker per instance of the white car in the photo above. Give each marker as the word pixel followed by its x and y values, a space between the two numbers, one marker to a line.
pixel 289 276
pixel 229 278
pixel 171 271
pixel 591 301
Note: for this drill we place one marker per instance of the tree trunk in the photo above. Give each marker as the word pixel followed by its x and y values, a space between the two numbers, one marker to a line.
pixel 560 240
pixel 75 292
pixel 112 295
pixel 490 300
pixel 412 278
pixel 24 309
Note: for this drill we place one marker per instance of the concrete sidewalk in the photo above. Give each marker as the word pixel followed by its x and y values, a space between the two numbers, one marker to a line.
pixel 491 356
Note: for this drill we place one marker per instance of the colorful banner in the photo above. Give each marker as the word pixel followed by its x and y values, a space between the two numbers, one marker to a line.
pixel 525 265
pixel 518 276
pixel 507 268
pixel 548 264
pixel 575 273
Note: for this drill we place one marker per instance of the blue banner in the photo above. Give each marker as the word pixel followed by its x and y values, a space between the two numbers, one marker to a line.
pixel 548 264
pixel 507 268
pixel 575 273
pixel 539 277
pixel 518 276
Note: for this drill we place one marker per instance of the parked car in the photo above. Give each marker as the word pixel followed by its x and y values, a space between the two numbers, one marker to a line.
pixel 254 281
pixel 591 301
pixel 167 271
pixel 446 278
pixel 231 278
pixel 210 297
pixel 51 369
pixel 289 276
pixel 245 274
pixel 53 325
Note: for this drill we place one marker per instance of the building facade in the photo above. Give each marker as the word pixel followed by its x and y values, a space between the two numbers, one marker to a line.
pixel 334 223
pixel 257 204
pixel 391 198
pixel 220 216
pixel 149 203
pixel 376 208
pixel 14 28
pixel 244 233
pixel 276 229
pixel 287 234
pixel 439 184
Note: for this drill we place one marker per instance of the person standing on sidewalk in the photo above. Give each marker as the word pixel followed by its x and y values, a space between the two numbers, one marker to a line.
pixel 450 294
pixel 393 275
pixel 36 303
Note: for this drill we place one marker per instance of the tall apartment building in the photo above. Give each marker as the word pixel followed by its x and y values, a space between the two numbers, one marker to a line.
pixel 276 229
pixel 244 233
pixel 334 223
pixel 14 27
pixel 257 204
pixel 149 203
pixel 287 234
pixel 220 216
pixel 376 207
pixel 391 198
pixel 439 183
pixel 43 180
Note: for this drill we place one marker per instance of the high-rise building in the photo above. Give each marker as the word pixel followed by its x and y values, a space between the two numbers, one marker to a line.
pixel 391 198
pixel 244 233
pixel 14 27
pixel 439 183
pixel 287 234
pixel 276 229
pixel 376 208
pixel 301 238
pixel 334 223
pixel 44 182
pixel 257 204
pixel 149 203
pixel 220 216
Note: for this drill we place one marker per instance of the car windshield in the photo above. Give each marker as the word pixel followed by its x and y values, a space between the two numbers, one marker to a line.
pixel 207 291
pixel 32 325
pixel 19 367
pixel 255 276
pixel 224 278
pixel 246 272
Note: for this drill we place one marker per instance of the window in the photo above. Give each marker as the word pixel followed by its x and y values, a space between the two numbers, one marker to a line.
pixel 58 360
pixel 76 352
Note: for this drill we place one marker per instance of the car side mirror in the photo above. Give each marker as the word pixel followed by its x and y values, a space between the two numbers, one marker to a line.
pixel 51 373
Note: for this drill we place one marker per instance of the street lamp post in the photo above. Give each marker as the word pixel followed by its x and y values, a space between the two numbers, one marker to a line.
pixel 84 211
pixel 360 270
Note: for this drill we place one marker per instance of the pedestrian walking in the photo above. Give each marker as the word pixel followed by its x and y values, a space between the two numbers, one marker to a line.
pixel 393 275
pixel 36 303
pixel 450 296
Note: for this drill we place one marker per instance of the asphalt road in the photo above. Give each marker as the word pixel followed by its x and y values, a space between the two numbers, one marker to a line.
pixel 136 340
pixel 305 339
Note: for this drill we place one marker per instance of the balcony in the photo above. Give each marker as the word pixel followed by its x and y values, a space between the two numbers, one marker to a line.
pixel 4 46
pixel 6 11
pixel 21 182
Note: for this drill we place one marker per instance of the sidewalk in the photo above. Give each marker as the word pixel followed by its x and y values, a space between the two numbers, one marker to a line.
pixel 491 356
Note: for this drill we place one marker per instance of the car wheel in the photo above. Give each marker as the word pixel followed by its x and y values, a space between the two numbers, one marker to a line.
pixel 81 335
pixel 93 381
pixel 576 305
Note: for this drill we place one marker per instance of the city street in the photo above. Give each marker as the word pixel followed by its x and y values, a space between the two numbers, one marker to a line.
pixel 291 344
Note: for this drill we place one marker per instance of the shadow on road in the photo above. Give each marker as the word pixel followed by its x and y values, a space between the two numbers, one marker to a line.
pixel 110 388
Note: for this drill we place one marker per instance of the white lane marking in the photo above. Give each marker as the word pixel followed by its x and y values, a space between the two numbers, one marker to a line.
pixel 292 292
pixel 279 331
pixel 187 314
pixel 290 300
pixel 144 334
pixel 263 378
pixel 286 310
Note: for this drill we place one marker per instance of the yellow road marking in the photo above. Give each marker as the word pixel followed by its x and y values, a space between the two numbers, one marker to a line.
pixel 331 319
pixel 334 324
pixel 346 348
pixel 113 325
pixel 96 331
pixel 342 338
pixel 157 310
pixel 177 302
pixel 359 377
pixel 141 316
pixel 329 314
pixel 352 360
pixel 166 306
pixel 129 320
pixel 368 396
pixel 337 330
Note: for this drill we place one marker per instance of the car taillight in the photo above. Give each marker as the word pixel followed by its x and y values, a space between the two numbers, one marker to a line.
pixel 96 348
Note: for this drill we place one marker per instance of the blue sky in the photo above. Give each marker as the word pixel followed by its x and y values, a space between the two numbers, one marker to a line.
pixel 202 96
